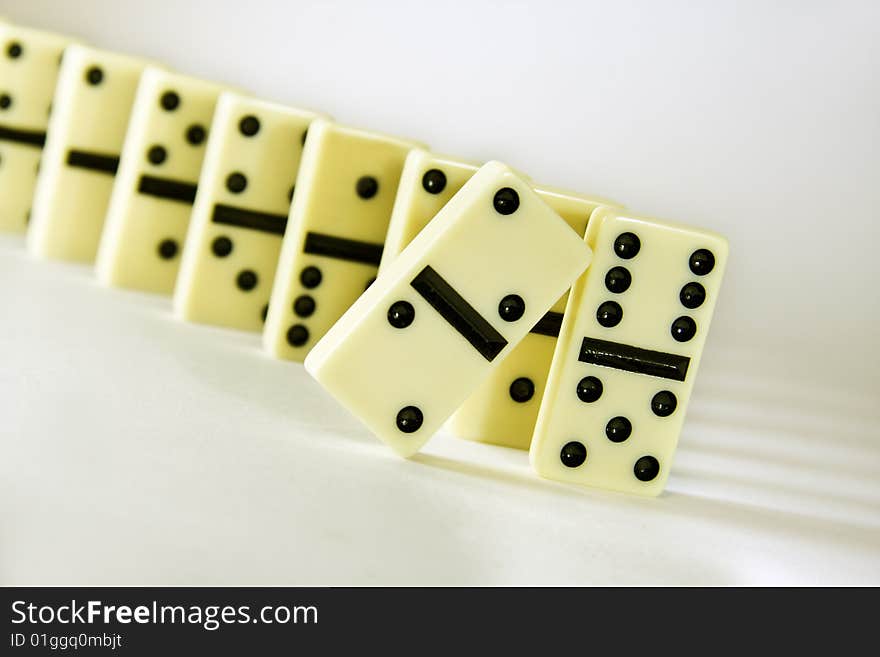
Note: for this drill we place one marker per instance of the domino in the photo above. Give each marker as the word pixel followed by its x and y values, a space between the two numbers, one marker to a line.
pixel 29 63
pixel 156 184
pixel 333 245
pixel 628 353
pixel 504 407
pixel 427 182
pixel 240 212
pixel 90 111
pixel 445 312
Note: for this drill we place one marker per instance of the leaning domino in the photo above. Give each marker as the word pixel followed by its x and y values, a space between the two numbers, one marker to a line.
pixel 628 353
pixel 504 408
pixel 465 291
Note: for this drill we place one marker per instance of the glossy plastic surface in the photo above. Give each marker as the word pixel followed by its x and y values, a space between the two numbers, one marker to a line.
pixel 465 291
pixel 623 370
pixel 235 236
pixel 90 111
pixel 156 183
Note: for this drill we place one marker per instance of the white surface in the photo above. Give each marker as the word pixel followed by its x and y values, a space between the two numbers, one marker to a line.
pixel 136 449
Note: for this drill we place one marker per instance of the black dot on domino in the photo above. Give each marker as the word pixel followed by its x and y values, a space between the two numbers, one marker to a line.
pixel 297 335
pixel 249 125
pixel 5 101
pixel 434 181
pixel 169 101
pixel 409 419
pixel 701 262
pixel 506 201
pixel 401 314
pixel 692 295
pixel 511 307
pixel 683 329
pixel 367 187
pixel 618 429
pixel 609 314
pixel 589 389
pixel 221 246
pixel 14 50
pixel 94 75
pixel 195 134
pixel 618 280
pixel 646 468
pixel 310 277
pixel 167 249
pixel 663 403
pixel 236 182
pixel 157 154
pixel 522 390
pixel 304 306
pixel 627 245
pixel 573 454
pixel 246 280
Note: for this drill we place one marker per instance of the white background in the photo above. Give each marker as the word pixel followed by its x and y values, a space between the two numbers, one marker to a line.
pixel 138 450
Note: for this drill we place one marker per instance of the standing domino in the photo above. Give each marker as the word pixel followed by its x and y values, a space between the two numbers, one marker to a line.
pixel 29 63
pixel 504 408
pixel 449 308
pixel 240 213
pixel 156 183
pixel 331 250
pixel 90 112
pixel 427 183
pixel 628 353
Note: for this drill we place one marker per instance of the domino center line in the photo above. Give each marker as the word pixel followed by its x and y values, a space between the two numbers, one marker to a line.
pixel 343 249
pixel 634 359
pixel 250 219
pixel 461 315
pixel 172 190
pixel 26 137
pixel 548 325
pixel 97 162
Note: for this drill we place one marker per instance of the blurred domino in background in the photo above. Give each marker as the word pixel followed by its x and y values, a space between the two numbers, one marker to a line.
pixel 156 183
pixel 335 235
pixel 29 65
pixel 240 212
pixel 90 112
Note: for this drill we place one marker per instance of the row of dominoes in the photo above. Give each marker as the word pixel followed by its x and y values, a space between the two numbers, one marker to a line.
pixel 416 288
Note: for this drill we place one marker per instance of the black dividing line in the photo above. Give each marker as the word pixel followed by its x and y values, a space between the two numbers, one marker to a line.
pixel 459 313
pixel 251 219
pixel 548 325
pixel 93 161
pixel 172 190
pixel 633 359
pixel 343 249
pixel 28 137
